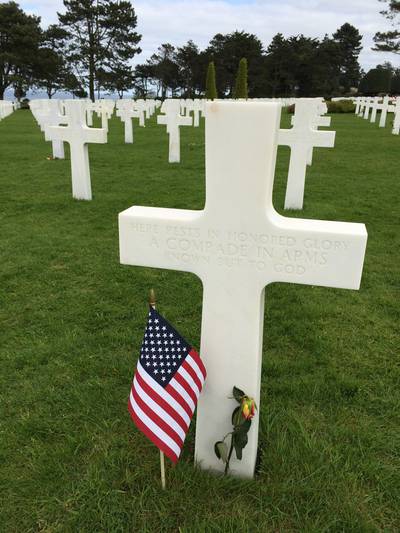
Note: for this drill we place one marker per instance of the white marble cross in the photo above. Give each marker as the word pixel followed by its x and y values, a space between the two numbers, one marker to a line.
pixel 197 108
pixel 316 107
pixel 6 108
pixel 142 110
pixel 48 113
pixel 385 108
pixel 78 135
pixel 302 138
pixel 396 120
pixel 363 103
pixel 368 105
pixel 375 106
pixel 173 120
pixel 126 113
pixel 55 118
pixel 237 245
pixel 104 109
pixel 358 104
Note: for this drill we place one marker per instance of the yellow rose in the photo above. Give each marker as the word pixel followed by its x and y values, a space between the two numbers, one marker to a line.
pixel 248 408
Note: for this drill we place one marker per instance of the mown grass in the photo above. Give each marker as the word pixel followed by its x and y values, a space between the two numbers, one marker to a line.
pixel 72 319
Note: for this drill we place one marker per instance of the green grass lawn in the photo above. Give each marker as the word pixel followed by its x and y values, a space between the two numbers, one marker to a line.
pixel 72 320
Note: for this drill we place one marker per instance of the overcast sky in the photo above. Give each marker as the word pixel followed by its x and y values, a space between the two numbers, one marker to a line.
pixel 177 21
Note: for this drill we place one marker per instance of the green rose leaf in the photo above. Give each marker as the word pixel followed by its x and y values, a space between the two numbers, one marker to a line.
pixel 221 450
pixel 237 417
pixel 241 438
pixel 245 425
pixel 238 394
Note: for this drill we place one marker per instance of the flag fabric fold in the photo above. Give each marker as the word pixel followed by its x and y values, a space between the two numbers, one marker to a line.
pixel 166 386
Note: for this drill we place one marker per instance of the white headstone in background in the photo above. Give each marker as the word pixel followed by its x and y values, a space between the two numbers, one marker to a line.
pixel 78 135
pixel 368 105
pixel 173 120
pixel 197 108
pixel 396 121
pixel 316 107
pixel 104 109
pixel 302 138
pixel 89 112
pixel 142 110
pixel 362 106
pixel 375 106
pixel 385 109
pixel 237 245
pixel 55 118
pixel 6 108
pixel 126 112
pixel 358 104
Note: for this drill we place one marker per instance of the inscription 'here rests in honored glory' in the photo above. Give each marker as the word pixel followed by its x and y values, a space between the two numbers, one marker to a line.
pixel 237 245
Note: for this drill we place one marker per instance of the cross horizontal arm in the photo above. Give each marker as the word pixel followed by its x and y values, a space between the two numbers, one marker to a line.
pixel 316 252
pixel 185 121
pixel 59 133
pixel 95 135
pixel 162 119
pixel 161 238
pixel 315 138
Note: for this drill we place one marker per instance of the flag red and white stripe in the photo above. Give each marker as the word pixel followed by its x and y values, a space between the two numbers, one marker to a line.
pixel 166 386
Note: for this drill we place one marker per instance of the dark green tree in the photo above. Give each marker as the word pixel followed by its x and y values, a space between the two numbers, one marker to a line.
pixel 211 87
pixel 349 40
pixel 389 41
pixel 327 68
pixel 51 71
pixel 395 84
pixel 101 33
pixel 227 50
pixel 73 85
pixel 118 79
pixel 191 67
pixel 241 80
pixel 291 66
pixel 20 36
pixel 165 70
pixel 143 79
pixel 279 78
pixel 378 80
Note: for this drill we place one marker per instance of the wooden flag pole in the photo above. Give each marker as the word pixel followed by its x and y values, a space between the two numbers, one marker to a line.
pixel 162 465
pixel 152 303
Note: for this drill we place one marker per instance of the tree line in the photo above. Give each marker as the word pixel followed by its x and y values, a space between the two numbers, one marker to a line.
pixel 293 66
pixel 91 50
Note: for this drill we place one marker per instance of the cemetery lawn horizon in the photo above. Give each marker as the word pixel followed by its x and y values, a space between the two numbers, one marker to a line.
pixel 72 321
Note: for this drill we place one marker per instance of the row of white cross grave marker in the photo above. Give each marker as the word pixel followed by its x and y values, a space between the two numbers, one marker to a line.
pixel 69 120
pixel 368 107
pixel 236 245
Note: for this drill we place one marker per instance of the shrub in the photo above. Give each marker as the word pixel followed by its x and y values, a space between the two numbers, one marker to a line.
pixel 24 104
pixel 341 106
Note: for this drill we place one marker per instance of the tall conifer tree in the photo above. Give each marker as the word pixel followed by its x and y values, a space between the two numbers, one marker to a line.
pixel 241 90
pixel 211 88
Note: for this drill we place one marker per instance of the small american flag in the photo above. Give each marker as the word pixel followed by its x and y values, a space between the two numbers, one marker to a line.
pixel 166 386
